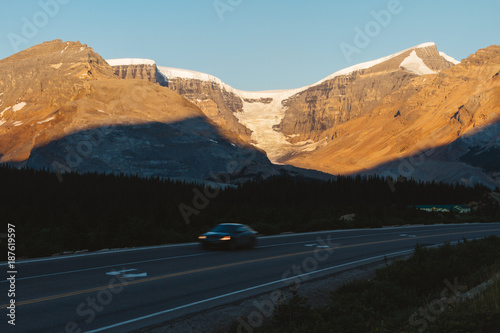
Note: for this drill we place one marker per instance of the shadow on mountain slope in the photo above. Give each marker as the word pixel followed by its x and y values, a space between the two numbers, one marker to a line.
pixel 191 149
pixel 474 158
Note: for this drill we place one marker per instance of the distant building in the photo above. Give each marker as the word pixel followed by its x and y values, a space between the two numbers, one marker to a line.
pixel 461 209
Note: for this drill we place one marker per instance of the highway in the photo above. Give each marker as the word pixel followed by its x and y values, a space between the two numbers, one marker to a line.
pixel 128 289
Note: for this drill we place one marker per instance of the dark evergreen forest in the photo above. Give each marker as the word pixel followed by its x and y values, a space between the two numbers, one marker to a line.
pixel 96 211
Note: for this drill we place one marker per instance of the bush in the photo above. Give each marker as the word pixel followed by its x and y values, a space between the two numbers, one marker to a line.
pixel 388 301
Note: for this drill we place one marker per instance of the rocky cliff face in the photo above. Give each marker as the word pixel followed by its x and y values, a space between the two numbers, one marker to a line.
pixel 289 122
pixel 143 69
pixel 345 97
pixel 312 112
pixel 63 108
pixel 217 103
pixel 377 117
pixel 37 85
pixel 434 128
pixel 413 113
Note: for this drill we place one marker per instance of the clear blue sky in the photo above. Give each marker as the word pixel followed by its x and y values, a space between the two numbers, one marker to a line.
pixel 258 45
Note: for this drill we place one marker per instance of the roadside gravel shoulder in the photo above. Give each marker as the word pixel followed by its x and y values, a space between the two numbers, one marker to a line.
pixel 220 319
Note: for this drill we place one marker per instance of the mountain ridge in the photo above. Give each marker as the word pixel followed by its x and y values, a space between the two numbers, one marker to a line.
pixel 368 118
pixel 298 123
pixel 430 112
pixel 64 109
pixel 262 119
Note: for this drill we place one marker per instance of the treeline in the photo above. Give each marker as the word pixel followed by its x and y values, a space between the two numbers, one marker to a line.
pixel 371 190
pixel 94 211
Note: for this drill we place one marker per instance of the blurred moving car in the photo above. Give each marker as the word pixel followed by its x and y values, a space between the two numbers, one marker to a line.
pixel 229 236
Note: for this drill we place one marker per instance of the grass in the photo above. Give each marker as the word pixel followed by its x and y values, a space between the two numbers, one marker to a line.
pixel 421 294
pixel 481 314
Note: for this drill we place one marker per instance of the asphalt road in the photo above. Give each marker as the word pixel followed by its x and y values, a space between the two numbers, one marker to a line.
pixel 123 290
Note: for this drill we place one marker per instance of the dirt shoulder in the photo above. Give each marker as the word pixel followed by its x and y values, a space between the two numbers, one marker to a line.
pixel 248 315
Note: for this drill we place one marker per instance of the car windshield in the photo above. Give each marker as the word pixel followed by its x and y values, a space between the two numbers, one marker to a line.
pixel 224 228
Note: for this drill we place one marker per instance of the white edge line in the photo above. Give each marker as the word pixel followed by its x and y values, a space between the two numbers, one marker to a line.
pixel 383 228
pixel 159 259
pixel 251 288
pixel 240 291
pixel 100 252
pixel 169 258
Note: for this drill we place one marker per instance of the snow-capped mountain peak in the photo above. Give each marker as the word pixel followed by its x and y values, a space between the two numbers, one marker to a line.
pixel 263 111
pixel 448 58
pixel 414 64
pixel 130 62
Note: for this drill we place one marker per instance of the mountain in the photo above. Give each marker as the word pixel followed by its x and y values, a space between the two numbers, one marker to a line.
pixel 345 124
pixel 356 91
pixel 443 127
pixel 144 69
pixel 417 113
pixel 62 107
pixel 287 122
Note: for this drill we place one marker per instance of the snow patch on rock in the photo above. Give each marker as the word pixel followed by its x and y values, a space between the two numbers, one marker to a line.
pixel 4 110
pixel 258 117
pixel 261 118
pixel 65 48
pixel 177 73
pixel 414 64
pixel 18 106
pixel 372 63
pixel 46 120
pixel 448 58
pixel 130 62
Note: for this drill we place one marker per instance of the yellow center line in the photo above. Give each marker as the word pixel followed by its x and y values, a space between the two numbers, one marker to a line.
pixel 166 276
